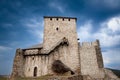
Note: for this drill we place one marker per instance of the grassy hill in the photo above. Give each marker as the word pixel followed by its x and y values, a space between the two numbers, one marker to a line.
pixel 3 77
pixel 117 72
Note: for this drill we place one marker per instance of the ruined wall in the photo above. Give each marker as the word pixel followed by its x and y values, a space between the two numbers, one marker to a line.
pixel 89 60
pixel 55 28
pixel 98 53
pixel 18 64
pixel 44 62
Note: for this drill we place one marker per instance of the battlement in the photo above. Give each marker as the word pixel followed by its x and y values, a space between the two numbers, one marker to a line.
pixel 58 18
pixel 90 44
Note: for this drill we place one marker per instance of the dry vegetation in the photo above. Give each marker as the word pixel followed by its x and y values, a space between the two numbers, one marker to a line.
pixel 3 78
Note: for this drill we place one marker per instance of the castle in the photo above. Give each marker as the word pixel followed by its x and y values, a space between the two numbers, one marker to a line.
pixel 60 42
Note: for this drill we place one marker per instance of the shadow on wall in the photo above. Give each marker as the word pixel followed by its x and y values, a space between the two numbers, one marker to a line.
pixel 60 68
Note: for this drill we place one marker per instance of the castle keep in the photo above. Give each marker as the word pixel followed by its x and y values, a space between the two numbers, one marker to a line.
pixel 60 42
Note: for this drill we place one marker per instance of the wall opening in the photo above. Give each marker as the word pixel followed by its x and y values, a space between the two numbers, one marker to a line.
pixel 35 72
pixel 69 19
pixel 57 28
pixel 33 58
pixel 50 18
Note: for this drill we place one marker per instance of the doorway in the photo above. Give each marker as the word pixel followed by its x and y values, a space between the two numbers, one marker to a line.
pixel 35 72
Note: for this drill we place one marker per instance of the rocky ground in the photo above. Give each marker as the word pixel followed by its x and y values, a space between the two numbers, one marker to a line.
pixel 68 76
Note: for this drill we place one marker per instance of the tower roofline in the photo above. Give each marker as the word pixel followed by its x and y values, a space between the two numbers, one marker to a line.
pixel 60 17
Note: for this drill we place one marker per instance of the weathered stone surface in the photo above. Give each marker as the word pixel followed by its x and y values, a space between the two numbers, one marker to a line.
pixel 66 28
pixel 60 43
pixel 89 60
pixel 18 64
pixel 59 68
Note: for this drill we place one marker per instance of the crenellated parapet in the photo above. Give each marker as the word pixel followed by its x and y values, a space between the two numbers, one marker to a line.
pixel 94 46
pixel 91 58
pixel 56 18
pixel 90 44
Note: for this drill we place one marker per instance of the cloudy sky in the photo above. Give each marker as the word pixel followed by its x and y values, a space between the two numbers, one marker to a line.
pixel 21 25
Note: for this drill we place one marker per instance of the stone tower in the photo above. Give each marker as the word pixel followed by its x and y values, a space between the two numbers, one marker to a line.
pixel 60 43
pixel 55 29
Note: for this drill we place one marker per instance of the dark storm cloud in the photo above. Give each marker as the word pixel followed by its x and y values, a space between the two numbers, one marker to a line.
pixel 95 9
pixel 98 9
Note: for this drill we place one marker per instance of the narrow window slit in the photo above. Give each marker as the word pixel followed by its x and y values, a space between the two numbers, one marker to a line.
pixel 33 58
pixel 69 19
pixel 57 28
pixel 50 18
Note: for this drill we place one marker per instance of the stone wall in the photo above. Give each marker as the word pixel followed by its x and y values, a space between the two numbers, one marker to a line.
pixel 55 28
pixel 31 52
pixel 43 62
pixel 18 64
pixel 99 54
pixel 91 63
pixel 85 60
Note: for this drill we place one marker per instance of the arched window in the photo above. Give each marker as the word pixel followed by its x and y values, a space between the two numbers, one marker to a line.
pixel 35 72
